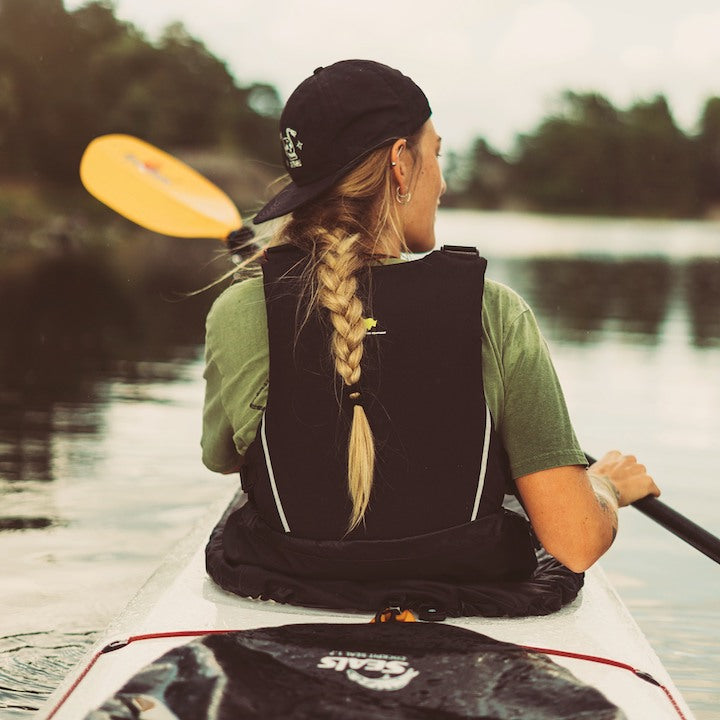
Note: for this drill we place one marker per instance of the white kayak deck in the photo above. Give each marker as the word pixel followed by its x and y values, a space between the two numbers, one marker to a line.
pixel 180 597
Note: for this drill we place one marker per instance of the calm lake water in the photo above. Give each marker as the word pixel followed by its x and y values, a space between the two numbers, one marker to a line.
pixel 101 394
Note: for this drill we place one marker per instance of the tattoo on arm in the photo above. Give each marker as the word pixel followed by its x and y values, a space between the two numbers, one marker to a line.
pixel 611 513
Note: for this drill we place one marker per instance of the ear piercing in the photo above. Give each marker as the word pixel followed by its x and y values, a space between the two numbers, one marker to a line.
pixel 402 198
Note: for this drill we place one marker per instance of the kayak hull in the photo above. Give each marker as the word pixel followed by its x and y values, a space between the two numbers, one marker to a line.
pixel 595 637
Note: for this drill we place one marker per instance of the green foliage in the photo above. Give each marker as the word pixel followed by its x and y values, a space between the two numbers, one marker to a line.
pixel 563 165
pixel 68 77
pixel 591 157
pixel 594 158
pixel 478 180
pixel 707 146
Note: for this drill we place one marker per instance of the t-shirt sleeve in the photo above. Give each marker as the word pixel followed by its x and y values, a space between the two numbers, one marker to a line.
pixel 535 425
pixel 236 374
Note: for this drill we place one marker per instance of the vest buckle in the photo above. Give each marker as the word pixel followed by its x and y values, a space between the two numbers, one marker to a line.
pixel 464 249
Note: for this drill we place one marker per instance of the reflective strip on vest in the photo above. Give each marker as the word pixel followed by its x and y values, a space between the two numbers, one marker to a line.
pixel 483 463
pixel 271 474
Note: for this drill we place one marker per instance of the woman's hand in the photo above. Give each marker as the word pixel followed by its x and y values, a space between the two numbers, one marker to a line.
pixel 629 477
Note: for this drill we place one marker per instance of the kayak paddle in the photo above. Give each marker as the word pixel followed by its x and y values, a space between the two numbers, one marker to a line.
pixel 156 190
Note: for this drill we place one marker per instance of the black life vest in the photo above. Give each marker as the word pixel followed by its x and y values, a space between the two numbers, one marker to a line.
pixel 435 532
pixel 439 462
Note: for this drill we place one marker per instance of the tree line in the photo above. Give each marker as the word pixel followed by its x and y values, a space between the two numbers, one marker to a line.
pixel 592 157
pixel 66 77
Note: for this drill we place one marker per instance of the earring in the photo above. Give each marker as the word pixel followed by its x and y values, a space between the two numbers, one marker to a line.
pixel 402 198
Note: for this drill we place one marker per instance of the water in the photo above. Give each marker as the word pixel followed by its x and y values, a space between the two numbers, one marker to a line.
pixel 101 393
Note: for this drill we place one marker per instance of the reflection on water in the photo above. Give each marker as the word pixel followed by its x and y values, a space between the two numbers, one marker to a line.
pixel 584 300
pixel 580 297
pixel 702 286
pixel 69 322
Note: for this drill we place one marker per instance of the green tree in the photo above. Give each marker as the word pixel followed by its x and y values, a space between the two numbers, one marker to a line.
pixel 189 90
pixel 68 77
pixel 568 163
pixel 256 131
pixel 478 179
pixel 37 74
pixel 593 158
pixel 707 146
pixel 657 162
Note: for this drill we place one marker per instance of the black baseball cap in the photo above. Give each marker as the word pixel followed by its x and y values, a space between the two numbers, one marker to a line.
pixel 334 119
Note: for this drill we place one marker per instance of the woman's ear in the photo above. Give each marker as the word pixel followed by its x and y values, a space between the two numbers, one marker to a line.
pixel 399 164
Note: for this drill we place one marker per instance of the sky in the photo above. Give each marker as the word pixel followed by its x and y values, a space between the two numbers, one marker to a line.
pixel 490 68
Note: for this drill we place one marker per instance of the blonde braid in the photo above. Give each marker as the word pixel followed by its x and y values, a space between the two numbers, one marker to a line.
pixel 336 274
pixel 341 232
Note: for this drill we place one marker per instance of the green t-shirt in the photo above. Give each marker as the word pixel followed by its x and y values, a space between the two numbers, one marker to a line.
pixel 521 387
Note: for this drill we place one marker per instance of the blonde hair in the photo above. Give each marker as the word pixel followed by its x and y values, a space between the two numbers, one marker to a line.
pixel 342 232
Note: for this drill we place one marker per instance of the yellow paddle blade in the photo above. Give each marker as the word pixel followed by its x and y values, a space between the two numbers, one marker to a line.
pixel 156 190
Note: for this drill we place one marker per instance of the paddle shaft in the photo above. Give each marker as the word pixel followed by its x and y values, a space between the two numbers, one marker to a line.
pixel 679 525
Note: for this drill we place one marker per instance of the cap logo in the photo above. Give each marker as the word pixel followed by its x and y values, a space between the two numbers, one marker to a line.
pixel 290 147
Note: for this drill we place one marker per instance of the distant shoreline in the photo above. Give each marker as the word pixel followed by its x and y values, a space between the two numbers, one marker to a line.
pixel 36 215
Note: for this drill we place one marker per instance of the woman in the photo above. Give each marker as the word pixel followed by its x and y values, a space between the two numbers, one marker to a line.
pixel 379 410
